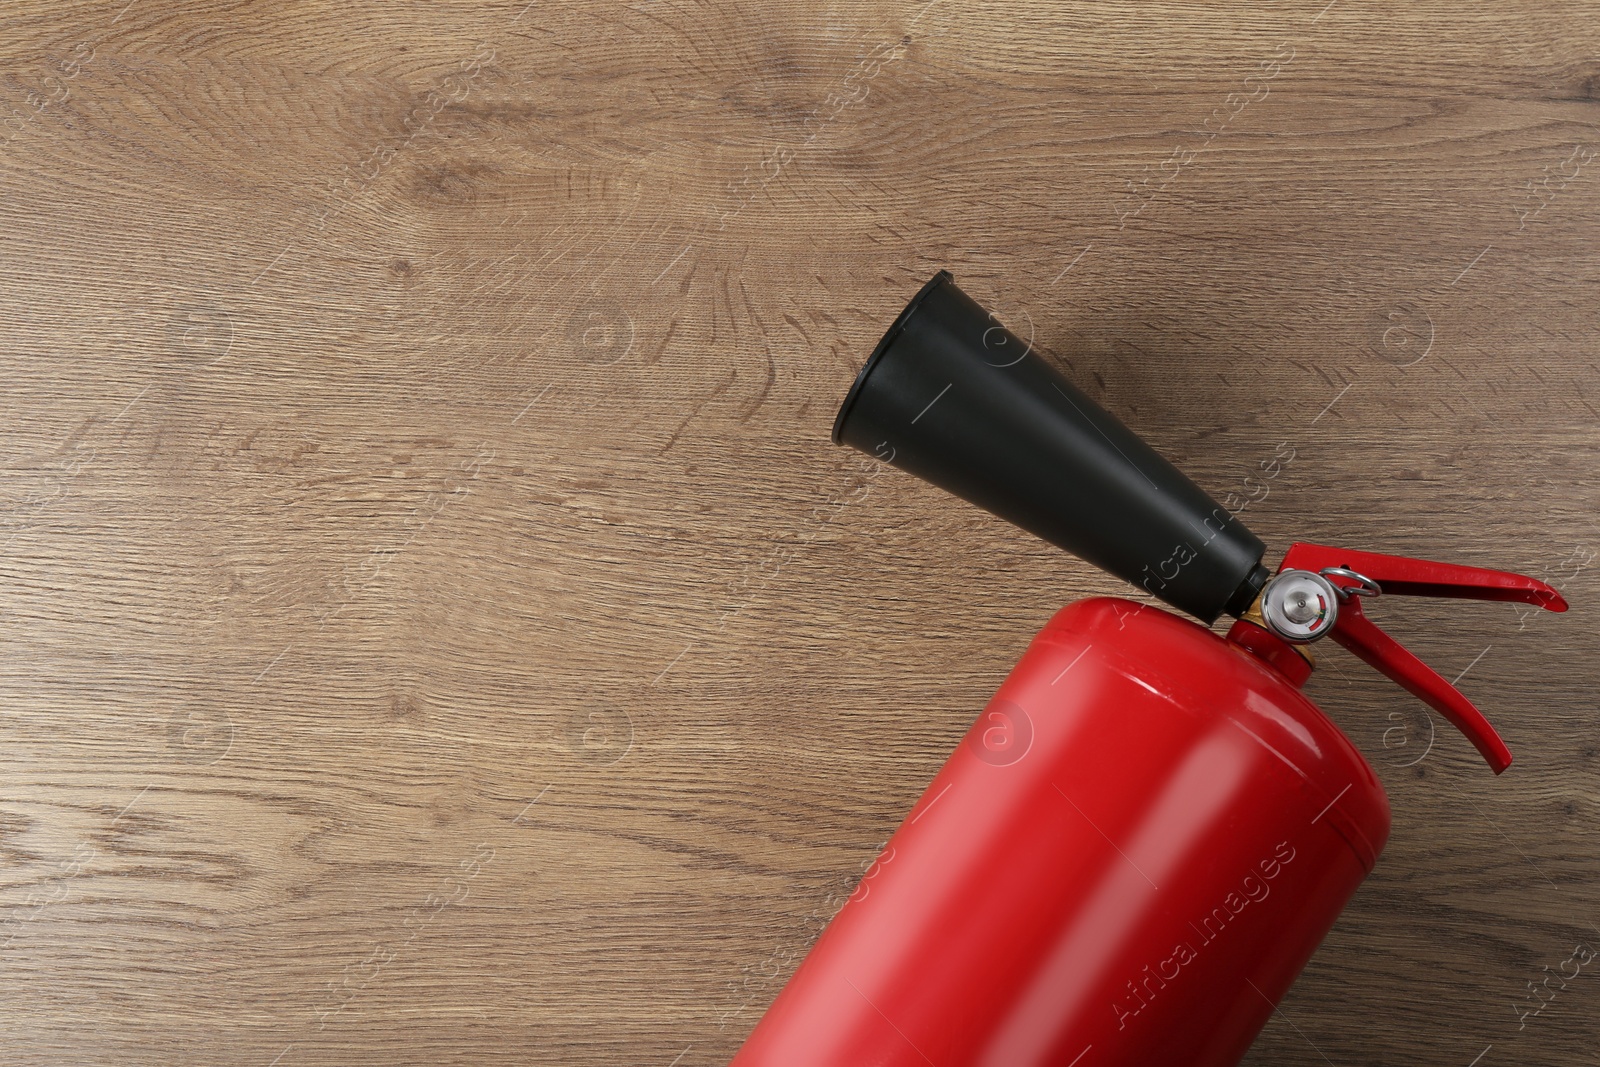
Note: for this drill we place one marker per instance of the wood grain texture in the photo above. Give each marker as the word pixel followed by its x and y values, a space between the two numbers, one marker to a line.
pixel 438 631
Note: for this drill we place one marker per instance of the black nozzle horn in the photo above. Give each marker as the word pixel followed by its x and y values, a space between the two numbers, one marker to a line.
pixel 955 398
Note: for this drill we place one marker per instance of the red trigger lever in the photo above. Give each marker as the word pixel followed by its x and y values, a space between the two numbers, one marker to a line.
pixel 1346 570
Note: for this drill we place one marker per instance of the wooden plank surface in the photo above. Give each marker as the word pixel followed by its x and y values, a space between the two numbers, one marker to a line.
pixel 437 629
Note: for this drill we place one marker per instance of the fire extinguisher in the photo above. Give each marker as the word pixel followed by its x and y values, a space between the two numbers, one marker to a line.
pixel 1150 828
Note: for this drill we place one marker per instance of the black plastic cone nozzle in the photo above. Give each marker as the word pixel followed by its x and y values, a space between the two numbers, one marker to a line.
pixel 953 397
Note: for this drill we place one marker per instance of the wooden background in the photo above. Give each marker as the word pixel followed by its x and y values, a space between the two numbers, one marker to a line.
pixel 437 629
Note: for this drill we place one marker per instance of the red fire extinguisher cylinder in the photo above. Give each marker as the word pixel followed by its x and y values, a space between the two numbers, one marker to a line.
pixel 1111 869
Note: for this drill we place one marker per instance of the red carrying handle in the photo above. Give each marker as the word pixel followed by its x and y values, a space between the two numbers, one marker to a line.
pixel 1419 577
